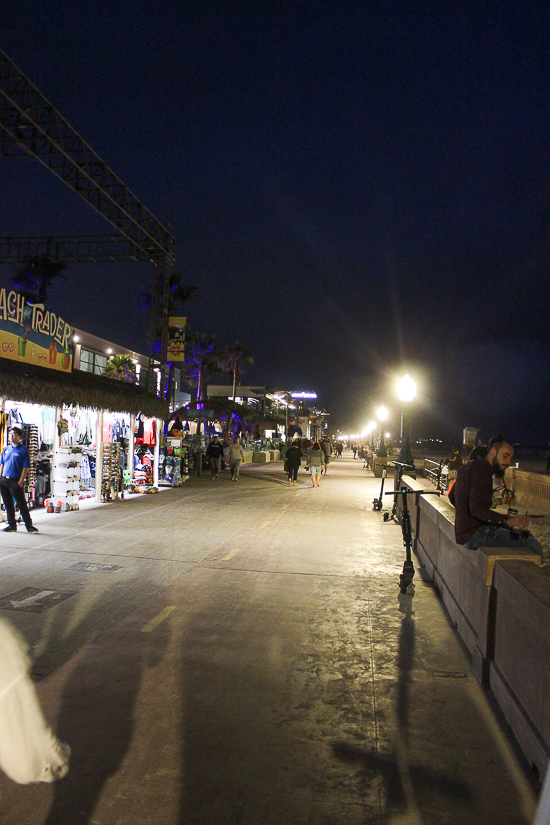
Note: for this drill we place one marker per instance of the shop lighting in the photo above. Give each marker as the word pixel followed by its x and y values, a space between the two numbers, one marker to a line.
pixel 76 338
pixel 303 394
pixel 109 351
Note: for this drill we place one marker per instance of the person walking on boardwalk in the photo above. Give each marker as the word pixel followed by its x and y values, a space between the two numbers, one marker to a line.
pixel 315 459
pixel 326 447
pixel 14 466
pixel 293 460
pixel 234 453
pixel 214 453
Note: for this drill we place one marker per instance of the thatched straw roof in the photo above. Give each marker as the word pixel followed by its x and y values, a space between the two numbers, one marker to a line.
pixel 38 385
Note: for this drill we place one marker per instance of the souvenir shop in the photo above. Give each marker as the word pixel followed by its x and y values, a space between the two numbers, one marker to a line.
pixel 81 450
pixel 88 435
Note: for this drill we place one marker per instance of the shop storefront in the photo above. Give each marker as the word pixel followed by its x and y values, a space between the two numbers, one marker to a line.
pixel 87 434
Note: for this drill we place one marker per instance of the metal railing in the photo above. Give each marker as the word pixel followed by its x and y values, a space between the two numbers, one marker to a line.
pixel 533 486
pixel 436 471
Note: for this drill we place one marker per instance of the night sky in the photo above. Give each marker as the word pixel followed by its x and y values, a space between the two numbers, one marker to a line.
pixel 357 187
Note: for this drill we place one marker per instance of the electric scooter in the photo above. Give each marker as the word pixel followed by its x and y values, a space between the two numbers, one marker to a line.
pixel 377 503
pixel 400 468
pixel 407 575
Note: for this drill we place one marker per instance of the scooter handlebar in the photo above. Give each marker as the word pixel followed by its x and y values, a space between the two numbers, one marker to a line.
pixel 415 492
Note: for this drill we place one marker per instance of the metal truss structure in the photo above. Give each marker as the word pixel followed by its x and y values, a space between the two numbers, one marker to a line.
pixel 71 249
pixel 31 126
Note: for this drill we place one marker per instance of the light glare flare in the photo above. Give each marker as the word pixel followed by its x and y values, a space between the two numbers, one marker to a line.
pixel 406 389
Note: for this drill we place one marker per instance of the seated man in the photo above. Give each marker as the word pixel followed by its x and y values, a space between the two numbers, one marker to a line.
pixel 476 525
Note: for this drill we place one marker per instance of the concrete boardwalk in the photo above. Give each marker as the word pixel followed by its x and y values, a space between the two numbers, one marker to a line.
pixel 247 662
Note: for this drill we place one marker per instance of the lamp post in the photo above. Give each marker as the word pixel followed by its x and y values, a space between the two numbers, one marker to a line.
pixel 406 389
pixel 372 428
pixel 382 416
pixel 286 416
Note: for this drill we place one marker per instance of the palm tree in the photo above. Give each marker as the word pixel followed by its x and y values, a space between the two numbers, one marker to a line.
pixel 35 278
pixel 201 362
pixel 179 294
pixel 235 361
pixel 122 368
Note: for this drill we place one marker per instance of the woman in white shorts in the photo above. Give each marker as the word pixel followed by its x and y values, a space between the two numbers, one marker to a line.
pixel 315 459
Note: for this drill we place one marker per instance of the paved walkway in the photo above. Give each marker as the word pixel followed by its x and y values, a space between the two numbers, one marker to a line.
pixel 245 661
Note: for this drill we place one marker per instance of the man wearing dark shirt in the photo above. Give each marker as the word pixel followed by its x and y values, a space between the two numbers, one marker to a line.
pixel 476 525
pixel 214 453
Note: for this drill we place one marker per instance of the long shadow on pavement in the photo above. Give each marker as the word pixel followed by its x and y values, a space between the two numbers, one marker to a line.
pixel 400 777
pixel 97 719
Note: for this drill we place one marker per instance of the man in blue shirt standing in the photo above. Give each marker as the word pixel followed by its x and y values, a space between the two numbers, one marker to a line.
pixel 14 466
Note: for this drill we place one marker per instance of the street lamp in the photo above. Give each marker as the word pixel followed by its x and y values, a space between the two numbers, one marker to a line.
pixel 382 415
pixel 406 389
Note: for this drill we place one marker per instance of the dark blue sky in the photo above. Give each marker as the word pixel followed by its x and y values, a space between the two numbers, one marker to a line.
pixel 357 187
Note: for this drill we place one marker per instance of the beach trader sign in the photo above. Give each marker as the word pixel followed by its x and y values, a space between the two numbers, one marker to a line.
pixel 32 334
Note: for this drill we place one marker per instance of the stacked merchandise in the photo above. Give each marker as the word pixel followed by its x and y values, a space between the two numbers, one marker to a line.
pixel 170 466
pixel 111 472
pixel 184 463
pixel 31 442
pixel 66 478
pixel 143 480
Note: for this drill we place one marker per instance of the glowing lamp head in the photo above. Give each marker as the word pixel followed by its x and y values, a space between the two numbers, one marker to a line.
pixel 406 389
pixel 382 414
pixel 372 425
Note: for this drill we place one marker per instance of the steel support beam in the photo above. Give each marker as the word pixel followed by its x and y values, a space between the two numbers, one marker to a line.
pixel 76 249
pixel 30 124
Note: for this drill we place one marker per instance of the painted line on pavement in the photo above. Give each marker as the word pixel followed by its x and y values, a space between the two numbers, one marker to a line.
pixel 160 617
pixel 230 555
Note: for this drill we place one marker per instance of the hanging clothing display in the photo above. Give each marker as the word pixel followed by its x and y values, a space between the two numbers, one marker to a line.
pixel 43 476
pixel 48 425
pixel 85 428
pixel 85 472
pixel 145 431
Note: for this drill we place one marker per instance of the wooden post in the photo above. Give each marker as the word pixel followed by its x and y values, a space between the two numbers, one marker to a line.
pixel 99 455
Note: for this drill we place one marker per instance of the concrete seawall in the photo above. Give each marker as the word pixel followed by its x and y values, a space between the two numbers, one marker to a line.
pixel 499 602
